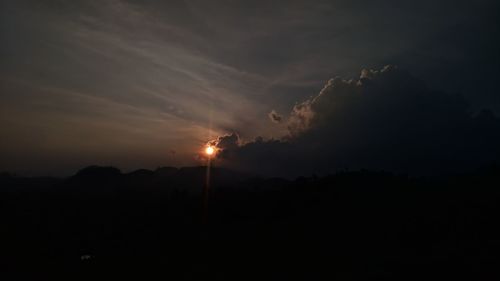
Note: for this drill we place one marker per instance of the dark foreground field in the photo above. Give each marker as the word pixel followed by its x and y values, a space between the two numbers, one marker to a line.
pixel 105 225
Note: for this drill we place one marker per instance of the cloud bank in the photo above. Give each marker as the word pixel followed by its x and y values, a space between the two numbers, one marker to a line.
pixel 386 119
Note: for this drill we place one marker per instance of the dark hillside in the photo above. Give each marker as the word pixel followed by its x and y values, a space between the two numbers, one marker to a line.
pixel 351 226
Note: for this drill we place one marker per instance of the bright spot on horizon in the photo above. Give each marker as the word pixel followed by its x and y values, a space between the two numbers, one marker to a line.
pixel 209 150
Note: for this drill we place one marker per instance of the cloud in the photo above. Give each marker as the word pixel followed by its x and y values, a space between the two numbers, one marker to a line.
pixel 386 119
pixel 227 142
pixel 275 117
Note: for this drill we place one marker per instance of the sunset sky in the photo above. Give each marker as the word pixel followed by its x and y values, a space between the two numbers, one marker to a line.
pixel 142 84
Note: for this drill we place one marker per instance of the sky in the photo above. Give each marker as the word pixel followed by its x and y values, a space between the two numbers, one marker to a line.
pixel 141 84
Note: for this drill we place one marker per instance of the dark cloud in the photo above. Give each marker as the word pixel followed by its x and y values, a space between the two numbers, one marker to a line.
pixel 386 119
pixel 275 117
pixel 227 142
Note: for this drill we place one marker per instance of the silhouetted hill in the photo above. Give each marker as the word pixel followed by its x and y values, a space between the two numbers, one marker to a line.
pixel 9 181
pixel 96 174
pixel 165 171
pixel 102 224
pixel 190 179
pixel 142 173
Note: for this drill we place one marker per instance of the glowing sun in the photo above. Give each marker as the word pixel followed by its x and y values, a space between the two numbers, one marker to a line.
pixel 209 150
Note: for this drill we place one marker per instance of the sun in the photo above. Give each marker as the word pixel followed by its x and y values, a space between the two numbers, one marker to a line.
pixel 209 150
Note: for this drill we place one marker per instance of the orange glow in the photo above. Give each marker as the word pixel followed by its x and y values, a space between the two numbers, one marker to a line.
pixel 209 150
